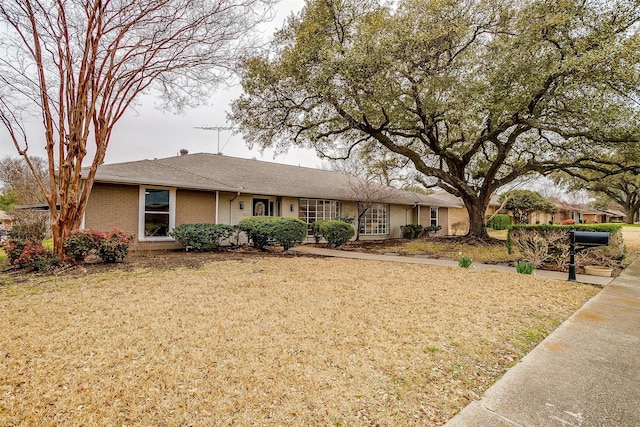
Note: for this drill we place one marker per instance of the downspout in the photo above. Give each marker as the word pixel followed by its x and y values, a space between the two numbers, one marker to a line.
pixel 217 207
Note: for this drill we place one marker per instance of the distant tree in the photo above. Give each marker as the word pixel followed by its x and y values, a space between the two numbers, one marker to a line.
pixel 523 202
pixel 475 94
pixel 7 200
pixel 18 179
pixel 80 64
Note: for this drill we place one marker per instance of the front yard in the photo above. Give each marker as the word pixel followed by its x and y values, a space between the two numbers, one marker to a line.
pixel 265 341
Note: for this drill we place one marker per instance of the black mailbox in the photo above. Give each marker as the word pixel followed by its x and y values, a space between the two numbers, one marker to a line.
pixel 592 238
pixel 584 240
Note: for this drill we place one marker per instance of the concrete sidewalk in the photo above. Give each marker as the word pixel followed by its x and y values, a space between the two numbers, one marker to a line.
pixel 557 275
pixel 585 374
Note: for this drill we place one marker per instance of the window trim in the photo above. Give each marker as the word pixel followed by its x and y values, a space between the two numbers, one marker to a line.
pixel 335 208
pixel 141 214
pixel 437 217
pixel 377 207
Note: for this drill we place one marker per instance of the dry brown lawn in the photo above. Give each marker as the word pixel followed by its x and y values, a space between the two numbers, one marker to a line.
pixel 266 341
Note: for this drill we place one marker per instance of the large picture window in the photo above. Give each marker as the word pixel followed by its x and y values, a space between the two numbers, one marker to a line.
pixel 157 213
pixel 312 210
pixel 375 221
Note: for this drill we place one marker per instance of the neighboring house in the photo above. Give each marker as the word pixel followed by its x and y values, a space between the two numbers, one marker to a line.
pixel 151 197
pixel 579 213
pixel 5 220
pixel 458 221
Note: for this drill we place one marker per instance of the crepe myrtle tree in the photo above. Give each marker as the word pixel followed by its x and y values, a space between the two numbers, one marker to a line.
pixel 474 93
pixel 78 65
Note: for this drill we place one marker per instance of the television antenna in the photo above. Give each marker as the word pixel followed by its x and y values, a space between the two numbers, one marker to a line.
pixel 217 129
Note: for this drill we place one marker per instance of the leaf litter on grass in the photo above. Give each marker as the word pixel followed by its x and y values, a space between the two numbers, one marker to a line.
pixel 268 341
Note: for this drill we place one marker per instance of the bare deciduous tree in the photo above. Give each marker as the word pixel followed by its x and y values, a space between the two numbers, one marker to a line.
pixel 80 64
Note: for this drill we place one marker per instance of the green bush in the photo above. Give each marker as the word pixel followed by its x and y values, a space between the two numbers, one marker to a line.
pixel 264 230
pixel 500 222
pixel 524 267
pixel 411 231
pixel 81 243
pixel 335 232
pixel 201 236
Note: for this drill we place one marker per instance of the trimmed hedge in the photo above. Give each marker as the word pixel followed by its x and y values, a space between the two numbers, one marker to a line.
pixel 201 236
pixel 500 222
pixel 264 230
pixel 335 232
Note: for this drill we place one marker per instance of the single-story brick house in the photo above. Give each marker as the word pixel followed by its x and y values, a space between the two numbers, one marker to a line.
pixel 151 197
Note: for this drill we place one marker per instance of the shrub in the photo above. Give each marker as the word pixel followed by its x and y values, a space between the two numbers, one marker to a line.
pixel 464 261
pixel 29 225
pixel 524 267
pixel 201 236
pixel 540 243
pixel 29 254
pixel 315 231
pixel 81 243
pixel 432 229
pixel 264 230
pixel 500 222
pixel 411 231
pixel 335 232
pixel 36 257
pixel 111 246
pixel 115 246
pixel 13 248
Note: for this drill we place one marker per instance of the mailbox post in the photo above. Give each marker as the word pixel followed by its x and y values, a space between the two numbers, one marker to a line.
pixel 572 254
pixel 580 240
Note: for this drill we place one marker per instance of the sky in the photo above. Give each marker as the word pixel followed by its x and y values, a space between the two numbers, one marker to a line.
pixel 148 133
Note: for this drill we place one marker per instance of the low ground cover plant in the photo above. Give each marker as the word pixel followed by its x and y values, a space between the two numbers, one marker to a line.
pixel 464 261
pixel 524 267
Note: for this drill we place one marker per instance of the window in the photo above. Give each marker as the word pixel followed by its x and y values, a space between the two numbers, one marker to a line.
pixel 312 210
pixel 433 219
pixel 375 220
pixel 157 213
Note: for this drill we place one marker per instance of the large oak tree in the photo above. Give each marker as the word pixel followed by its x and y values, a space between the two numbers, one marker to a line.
pixel 475 93
pixel 78 65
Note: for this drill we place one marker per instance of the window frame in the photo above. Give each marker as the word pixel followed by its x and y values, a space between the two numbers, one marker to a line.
pixel 142 211
pixel 432 218
pixel 368 218
pixel 335 209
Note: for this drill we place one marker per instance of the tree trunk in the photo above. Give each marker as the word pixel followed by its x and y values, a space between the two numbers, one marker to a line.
pixel 477 210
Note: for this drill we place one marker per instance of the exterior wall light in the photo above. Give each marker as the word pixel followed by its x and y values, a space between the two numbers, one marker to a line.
pixel 241 204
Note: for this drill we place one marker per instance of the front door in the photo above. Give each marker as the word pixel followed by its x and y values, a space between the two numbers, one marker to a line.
pixel 261 207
